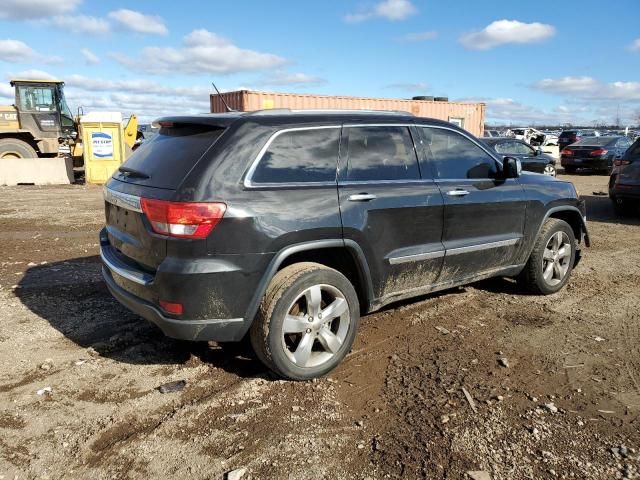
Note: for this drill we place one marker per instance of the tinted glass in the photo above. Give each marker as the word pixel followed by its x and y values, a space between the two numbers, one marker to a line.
pixel 455 156
pixel 567 134
pixel 170 155
pixel 633 154
pixel 513 148
pixel 381 153
pixel 595 142
pixel 300 156
pixel 522 149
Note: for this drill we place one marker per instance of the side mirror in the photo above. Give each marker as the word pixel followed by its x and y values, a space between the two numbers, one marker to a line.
pixel 539 151
pixel 511 167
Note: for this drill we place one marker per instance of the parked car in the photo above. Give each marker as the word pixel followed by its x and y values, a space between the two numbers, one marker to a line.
pixel 533 136
pixel 287 226
pixel 596 153
pixel 492 133
pixel 624 183
pixel 568 137
pixel 532 159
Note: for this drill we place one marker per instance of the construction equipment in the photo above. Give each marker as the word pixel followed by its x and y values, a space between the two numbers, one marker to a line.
pixel 40 124
pixel 39 121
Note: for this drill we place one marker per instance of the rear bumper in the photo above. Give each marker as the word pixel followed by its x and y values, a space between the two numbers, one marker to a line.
pixel 596 163
pixel 222 330
pixel 627 192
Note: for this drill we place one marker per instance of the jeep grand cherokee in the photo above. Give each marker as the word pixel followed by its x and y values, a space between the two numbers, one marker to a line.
pixel 286 226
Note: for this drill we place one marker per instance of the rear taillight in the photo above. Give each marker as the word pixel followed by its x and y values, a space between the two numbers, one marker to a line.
pixel 182 219
pixel 172 307
pixel 598 152
pixel 619 163
pixel 566 152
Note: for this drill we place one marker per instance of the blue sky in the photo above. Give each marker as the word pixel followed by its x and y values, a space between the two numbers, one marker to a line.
pixel 531 62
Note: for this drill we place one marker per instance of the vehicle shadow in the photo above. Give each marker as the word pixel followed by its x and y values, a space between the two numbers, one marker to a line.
pixel 72 297
pixel 600 209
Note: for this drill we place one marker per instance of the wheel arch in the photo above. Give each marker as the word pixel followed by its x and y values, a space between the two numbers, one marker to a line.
pixel 346 256
pixel 573 217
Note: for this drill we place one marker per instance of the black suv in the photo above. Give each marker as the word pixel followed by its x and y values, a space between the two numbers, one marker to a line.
pixel 285 226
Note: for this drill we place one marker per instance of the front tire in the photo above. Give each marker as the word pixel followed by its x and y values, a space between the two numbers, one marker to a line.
pixel 307 321
pixel 552 259
pixel 550 170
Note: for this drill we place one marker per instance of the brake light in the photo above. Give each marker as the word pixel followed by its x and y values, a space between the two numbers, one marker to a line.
pixel 619 163
pixel 182 219
pixel 598 152
pixel 566 152
pixel 171 307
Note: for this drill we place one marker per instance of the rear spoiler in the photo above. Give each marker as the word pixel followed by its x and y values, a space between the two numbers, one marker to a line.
pixel 215 120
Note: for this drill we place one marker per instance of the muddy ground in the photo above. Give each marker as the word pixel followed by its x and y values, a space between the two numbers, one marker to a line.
pixel 555 381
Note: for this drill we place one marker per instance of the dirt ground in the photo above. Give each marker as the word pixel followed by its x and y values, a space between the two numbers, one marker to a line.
pixel 554 381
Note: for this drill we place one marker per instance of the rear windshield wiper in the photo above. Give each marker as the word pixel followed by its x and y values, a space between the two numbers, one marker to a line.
pixel 131 172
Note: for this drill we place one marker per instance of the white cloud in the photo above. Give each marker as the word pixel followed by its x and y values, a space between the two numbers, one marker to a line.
pixel 202 52
pixel 509 111
pixel 419 36
pixel 80 24
pixel 503 32
pixel 32 74
pixel 635 45
pixel 135 86
pixel 393 10
pixel 295 79
pixel 588 87
pixel 16 51
pixel 89 57
pixel 34 9
pixel 139 22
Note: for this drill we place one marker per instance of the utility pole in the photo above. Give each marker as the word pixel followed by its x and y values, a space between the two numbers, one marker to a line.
pixel 618 117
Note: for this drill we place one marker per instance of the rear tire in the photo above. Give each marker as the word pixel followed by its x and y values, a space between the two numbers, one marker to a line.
pixel 552 258
pixel 620 206
pixel 307 321
pixel 14 148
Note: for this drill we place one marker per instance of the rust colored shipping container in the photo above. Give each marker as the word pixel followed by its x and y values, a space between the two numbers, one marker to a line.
pixel 469 116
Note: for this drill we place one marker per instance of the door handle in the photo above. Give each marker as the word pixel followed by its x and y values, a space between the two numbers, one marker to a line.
pixel 361 197
pixel 457 193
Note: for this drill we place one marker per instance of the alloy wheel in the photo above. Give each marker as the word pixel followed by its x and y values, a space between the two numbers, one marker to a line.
pixel 556 258
pixel 316 325
pixel 550 170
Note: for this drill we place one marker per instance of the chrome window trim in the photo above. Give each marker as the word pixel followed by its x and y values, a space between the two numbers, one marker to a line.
pixel 248 183
pixel 123 200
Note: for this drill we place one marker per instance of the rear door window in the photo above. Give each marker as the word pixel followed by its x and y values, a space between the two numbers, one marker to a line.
pixel 633 154
pixel 170 155
pixel 454 156
pixel 300 156
pixel 381 153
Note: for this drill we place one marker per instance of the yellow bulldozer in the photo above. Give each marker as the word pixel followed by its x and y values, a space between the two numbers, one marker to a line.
pixel 40 124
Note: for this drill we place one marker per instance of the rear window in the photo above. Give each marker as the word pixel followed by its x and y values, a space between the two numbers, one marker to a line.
pixel 633 154
pixel 594 141
pixel 170 155
pixel 300 156
pixel 567 134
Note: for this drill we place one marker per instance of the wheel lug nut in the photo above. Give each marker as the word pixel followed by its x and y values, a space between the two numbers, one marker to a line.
pixel 320 316
pixel 310 319
pixel 308 330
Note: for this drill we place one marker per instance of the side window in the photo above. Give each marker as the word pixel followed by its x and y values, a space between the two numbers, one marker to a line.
pixel 381 153
pixel 522 149
pixel 455 156
pixel 300 156
pixel 506 148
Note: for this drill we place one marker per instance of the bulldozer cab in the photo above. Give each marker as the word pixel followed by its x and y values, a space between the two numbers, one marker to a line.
pixel 42 108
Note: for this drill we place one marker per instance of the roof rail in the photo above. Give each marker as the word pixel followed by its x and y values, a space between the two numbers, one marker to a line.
pixel 276 111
